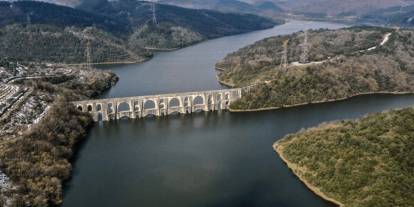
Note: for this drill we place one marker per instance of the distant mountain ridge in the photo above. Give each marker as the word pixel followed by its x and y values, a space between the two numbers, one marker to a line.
pixel 395 16
pixel 356 7
pixel 335 7
pixel 317 9
pixel 266 8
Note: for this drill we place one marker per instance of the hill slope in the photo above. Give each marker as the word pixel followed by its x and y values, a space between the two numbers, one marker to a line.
pixel 43 32
pixel 207 23
pixel 30 12
pixel 44 43
pixel 266 8
pixel 337 7
pixel 360 163
pixel 344 63
pixel 120 31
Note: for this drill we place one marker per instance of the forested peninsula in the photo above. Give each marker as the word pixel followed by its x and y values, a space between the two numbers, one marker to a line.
pixel 362 163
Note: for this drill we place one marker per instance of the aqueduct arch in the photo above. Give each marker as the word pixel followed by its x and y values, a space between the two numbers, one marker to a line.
pixel 123 106
pixel 149 104
pixel 158 105
pixel 198 100
pixel 174 102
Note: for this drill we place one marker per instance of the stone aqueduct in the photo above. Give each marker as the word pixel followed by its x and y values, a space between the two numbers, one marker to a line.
pixel 159 105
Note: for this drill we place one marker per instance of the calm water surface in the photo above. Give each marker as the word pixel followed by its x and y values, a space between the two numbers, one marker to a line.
pixel 205 159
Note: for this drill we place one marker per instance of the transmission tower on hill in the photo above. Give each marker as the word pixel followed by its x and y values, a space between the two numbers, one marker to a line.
pixel 304 58
pixel 29 18
pixel 88 48
pixel 154 11
pixel 88 53
pixel 284 61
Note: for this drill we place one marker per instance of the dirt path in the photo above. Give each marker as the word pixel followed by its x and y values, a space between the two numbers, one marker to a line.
pixel 384 41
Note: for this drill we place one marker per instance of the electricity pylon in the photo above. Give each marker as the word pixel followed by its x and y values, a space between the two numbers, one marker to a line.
pixel 154 12
pixel 284 61
pixel 88 49
pixel 28 19
pixel 304 58
pixel 88 53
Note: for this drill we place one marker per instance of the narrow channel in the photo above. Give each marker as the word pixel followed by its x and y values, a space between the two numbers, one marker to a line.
pixel 205 159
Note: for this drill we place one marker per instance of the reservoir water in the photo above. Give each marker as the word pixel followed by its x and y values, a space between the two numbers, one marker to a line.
pixel 205 159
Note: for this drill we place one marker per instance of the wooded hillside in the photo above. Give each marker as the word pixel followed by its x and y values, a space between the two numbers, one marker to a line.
pixel 343 63
pixel 360 163
pixel 121 31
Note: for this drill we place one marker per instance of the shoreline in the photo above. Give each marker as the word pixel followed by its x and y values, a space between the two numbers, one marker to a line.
pixel 108 63
pixel 161 49
pixel 292 167
pixel 317 102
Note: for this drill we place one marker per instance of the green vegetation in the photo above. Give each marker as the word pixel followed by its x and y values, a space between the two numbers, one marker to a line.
pixel 39 43
pixel 346 68
pixel 163 35
pixel 41 32
pixel 368 162
pixel 38 161
pixel 209 24
pixel 32 12
pixel 72 89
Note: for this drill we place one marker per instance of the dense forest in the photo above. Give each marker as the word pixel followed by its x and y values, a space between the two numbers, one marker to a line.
pixel 46 43
pixel 360 163
pixel 120 31
pixel 343 63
